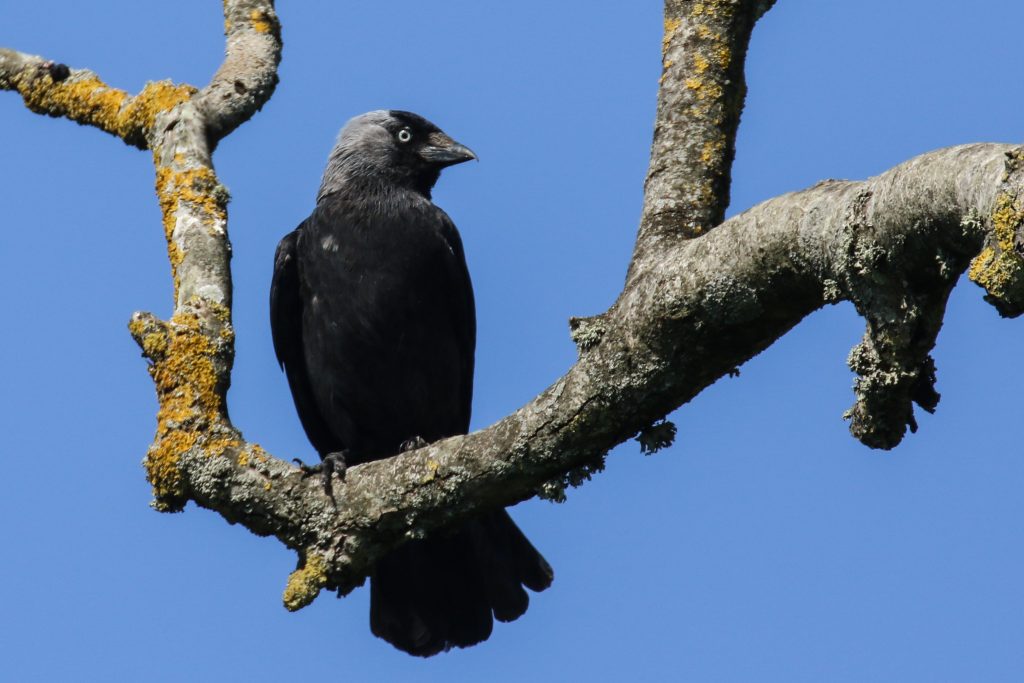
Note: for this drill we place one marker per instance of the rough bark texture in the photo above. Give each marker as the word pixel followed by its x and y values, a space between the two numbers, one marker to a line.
pixel 697 302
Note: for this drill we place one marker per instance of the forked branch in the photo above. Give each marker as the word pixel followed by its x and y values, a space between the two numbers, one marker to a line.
pixel 697 302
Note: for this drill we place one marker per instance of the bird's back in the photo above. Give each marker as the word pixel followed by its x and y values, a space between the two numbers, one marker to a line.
pixel 388 326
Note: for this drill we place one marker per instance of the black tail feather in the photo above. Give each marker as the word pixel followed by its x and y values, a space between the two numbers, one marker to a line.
pixel 430 595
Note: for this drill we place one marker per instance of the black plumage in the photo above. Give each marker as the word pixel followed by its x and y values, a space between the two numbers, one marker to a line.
pixel 373 321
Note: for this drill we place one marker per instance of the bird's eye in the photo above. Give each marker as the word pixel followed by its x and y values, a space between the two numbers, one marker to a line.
pixel 404 135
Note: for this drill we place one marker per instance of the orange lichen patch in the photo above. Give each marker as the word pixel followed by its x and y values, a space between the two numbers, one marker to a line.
pixel 154 345
pixel 162 468
pixel 432 467
pixel 671 26
pixel 723 54
pixel 712 8
pixel 712 151
pixel 155 98
pixel 258 452
pixel 999 268
pixel 719 48
pixel 198 186
pixel 190 403
pixel 216 446
pixel 196 189
pixel 305 583
pixel 261 21
pixel 86 99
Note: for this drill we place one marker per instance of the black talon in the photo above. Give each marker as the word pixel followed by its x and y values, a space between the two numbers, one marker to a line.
pixel 412 444
pixel 330 464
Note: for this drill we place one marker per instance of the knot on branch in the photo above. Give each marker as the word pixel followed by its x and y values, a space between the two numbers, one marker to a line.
pixel 902 294
pixel 999 268
pixel 657 436
pixel 554 489
pixel 190 359
pixel 586 333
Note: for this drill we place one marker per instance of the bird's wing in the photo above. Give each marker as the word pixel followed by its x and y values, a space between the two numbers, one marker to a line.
pixel 286 330
pixel 285 303
pixel 463 313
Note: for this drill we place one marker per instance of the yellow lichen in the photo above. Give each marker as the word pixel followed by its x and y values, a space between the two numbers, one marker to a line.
pixel 89 100
pixel 671 26
pixel 432 466
pixel 162 467
pixel 190 401
pixel 712 151
pixel 155 98
pixel 217 445
pixel 305 583
pixel 260 21
pixel 257 451
pixel 724 54
pixel 154 345
pixel 700 63
pixel 711 8
pixel 200 189
pixel 137 327
pixel 998 268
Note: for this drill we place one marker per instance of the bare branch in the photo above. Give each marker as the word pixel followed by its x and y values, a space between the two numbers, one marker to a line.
pixel 247 77
pixel 699 102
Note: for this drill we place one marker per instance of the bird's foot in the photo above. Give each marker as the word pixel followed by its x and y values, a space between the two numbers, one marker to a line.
pixel 412 444
pixel 330 464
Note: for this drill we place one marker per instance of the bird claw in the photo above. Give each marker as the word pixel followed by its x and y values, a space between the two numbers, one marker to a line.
pixel 330 464
pixel 412 444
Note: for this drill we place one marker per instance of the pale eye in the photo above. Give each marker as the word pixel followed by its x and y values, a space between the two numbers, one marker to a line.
pixel 404 135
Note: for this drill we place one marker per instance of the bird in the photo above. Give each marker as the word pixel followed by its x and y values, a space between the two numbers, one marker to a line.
pixel 374 324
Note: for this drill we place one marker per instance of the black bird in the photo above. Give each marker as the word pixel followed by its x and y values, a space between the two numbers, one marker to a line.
pixel 373 320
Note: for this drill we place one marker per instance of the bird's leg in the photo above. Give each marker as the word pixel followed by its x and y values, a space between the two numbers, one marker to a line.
pixel 329 464
pixel 412 444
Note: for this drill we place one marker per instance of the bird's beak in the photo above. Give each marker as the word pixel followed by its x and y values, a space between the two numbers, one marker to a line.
pixel 442 151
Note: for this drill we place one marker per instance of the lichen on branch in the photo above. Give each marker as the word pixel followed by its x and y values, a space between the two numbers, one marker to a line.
pixel 702 296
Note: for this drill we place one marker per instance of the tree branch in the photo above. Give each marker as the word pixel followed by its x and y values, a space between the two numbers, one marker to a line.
pixel 691 311
pixel 894 245
pixel 699 102
pixel 247 77
pixel 54 89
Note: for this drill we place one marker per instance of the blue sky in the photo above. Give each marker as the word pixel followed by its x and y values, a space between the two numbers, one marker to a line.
pixel 766 545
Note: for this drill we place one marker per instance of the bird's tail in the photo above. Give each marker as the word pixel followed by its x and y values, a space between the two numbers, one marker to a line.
pixel 429 595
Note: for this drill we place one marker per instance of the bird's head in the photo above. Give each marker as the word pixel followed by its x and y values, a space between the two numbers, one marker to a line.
pixel 391 147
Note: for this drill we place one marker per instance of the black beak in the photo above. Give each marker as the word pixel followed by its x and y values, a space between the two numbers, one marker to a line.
pixel 442 151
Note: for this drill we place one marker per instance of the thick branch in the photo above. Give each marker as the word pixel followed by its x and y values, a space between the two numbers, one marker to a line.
pixel 893 245
pixel 699 102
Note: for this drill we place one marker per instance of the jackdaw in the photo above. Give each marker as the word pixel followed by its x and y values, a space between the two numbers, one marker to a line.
pixel 373 321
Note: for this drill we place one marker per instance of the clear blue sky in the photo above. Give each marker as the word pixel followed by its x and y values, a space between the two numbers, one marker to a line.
pixel 766 545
